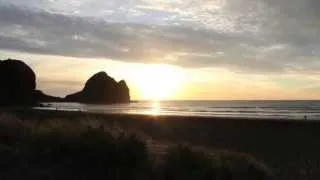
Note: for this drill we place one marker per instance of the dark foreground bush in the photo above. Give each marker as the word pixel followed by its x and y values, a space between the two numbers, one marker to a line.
pixel 183 163
pixel 90 155
pixel 75 150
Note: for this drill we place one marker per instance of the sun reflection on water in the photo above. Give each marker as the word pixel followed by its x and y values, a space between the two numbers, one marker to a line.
pixel 155 108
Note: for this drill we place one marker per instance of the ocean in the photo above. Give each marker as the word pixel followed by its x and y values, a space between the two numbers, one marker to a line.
pixel 299 110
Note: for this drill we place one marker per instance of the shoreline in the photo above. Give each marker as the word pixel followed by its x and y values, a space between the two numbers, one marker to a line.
pixel 223 112
pixel 164 117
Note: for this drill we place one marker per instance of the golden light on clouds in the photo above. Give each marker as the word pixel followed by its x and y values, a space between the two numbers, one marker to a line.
pixel 59 76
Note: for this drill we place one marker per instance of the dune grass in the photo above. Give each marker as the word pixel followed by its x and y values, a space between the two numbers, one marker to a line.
pixel 89 148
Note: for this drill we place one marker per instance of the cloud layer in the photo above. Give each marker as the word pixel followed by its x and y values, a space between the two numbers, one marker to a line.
pixel 263 36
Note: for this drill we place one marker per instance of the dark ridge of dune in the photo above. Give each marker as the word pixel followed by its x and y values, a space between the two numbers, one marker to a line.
pixel 288 148
pixel 101 89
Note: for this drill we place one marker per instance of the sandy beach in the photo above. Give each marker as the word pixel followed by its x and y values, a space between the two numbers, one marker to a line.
pixel 288 147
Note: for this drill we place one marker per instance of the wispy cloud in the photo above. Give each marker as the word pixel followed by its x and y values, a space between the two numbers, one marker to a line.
pixel 263 36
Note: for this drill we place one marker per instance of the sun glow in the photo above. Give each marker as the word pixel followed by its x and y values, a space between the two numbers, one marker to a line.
pixel 158 82
pixel 155 108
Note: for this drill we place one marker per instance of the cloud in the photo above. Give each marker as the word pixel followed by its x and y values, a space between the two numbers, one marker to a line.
pixel 265 36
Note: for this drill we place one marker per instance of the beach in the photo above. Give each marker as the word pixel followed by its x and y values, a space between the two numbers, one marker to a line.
pixel 288 147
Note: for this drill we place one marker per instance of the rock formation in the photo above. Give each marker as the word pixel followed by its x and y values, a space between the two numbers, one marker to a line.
pixel 42 97
pixel 18 81
pixel 101 89
pixel 18 87
pixel 18 84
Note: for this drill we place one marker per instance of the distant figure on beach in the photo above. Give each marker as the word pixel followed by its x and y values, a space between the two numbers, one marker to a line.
pixel 305 117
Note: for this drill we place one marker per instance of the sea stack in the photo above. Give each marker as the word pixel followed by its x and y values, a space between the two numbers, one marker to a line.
pixel 18 82
pixel 18 85
pixel 101 89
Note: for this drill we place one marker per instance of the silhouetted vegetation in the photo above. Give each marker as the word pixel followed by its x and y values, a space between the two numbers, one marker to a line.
pixel 182 163
pixel 88 149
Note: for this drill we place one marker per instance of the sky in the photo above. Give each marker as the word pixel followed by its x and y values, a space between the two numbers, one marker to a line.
pixel 169 49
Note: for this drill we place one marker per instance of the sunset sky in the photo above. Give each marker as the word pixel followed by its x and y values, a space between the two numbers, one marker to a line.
pixel 169 49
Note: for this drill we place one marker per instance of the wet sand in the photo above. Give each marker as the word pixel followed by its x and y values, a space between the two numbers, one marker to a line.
pixel 290 148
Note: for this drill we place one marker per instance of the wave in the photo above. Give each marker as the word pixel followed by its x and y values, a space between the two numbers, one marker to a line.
pixel 256 109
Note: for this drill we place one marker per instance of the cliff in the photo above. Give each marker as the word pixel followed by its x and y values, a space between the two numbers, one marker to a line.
pixel 101 89
pixel 18 82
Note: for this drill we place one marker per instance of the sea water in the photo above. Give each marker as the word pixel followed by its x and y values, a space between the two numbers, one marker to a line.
pixel 309 110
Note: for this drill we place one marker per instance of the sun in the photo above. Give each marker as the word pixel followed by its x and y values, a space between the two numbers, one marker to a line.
pixel 159 82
